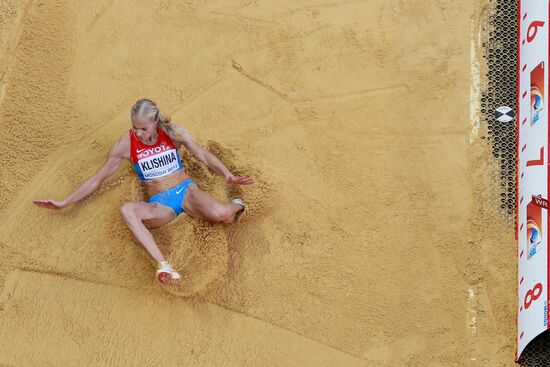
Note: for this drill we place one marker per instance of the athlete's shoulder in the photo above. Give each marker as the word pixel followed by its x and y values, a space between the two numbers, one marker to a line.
pixel 121 148
pixel 181 131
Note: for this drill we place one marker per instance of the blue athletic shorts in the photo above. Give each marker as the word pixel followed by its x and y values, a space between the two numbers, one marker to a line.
pixel 173 197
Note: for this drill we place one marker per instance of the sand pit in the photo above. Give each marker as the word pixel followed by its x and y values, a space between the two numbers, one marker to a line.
pixel 361 244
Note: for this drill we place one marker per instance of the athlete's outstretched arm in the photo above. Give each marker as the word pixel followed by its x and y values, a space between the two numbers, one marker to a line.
pixel 106 170
pixel 215 166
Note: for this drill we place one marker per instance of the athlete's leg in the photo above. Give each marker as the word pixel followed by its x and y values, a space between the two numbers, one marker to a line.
pixel 139 216
pixel 200 204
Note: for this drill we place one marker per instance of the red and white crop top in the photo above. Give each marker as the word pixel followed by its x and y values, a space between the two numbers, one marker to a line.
pixel 154 161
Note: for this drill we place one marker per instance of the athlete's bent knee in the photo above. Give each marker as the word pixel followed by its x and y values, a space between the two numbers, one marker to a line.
pixel 127 211
pixel 219 214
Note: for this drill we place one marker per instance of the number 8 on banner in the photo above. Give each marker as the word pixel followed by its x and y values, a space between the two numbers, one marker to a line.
pixel 532 295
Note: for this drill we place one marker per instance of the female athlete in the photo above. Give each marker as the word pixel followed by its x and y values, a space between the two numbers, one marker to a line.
pixel 152 147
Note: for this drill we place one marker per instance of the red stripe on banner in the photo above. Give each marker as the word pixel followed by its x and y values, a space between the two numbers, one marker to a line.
pixel 517 155
pixel 524 121
pixel 524 94
pixel 521 281
pixel 547 191
pixel 524 67
pixel 524 16
pixel 521 200
pixel 523 148
pixel 521 227
pixel 522 174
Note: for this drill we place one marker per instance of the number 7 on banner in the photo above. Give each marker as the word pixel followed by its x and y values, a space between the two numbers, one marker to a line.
pixel 537 162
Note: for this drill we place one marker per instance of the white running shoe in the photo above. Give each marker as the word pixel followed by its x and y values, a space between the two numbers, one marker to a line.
pixel 241 203
pixel 165 274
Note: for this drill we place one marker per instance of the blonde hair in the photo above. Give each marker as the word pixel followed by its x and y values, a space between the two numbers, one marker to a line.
pixel 149 109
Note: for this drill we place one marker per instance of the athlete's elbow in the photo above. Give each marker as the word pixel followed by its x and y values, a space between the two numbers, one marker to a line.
pixel 202 156
pixel 94 183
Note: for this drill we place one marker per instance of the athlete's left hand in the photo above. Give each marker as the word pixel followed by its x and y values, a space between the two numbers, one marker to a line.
pixel 238 180
pixel 50 204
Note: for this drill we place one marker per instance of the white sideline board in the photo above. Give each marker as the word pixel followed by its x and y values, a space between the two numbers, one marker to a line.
pixel 533 135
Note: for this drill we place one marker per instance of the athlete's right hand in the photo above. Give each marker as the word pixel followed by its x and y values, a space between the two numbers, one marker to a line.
pixel 50 204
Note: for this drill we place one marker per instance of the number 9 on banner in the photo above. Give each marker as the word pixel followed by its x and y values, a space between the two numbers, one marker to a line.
pixel 532 295
pixel 532 30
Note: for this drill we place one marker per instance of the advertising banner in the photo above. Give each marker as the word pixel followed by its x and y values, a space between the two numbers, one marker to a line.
pixel 533 171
